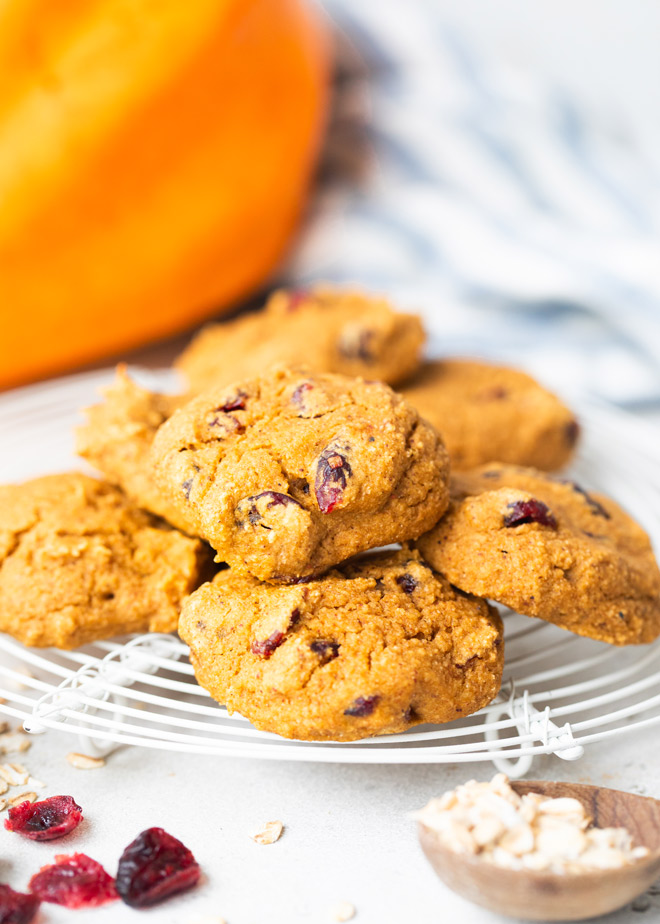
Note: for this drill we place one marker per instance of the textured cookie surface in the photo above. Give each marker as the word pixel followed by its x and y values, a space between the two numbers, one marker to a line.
pixel 291 473
pixel 117 437
pixel 489 413
pixel 328 330
pixel 79 563
pixel 547 548
pixel 373 647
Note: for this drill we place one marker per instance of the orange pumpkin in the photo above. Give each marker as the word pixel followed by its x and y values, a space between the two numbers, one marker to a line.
pixel 154 159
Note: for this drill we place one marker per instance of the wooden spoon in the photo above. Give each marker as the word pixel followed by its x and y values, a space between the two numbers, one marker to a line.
pixel 544 896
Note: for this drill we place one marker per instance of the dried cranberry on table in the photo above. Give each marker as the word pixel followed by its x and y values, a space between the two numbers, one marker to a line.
pixel 46 820
pixel 75 881
pixel 17 907
pixel 154 866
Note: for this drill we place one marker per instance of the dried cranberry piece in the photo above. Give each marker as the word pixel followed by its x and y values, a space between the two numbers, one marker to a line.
pixel 332 473
pixel 495 393
pixel 296 298
pixel 17 907
pixel 46 820
pixel 326 649
pixel 248 507
pixel 154 866
pixel 530 511
pixel 406 582
pixel 235 403
pixel 595 505
pixel 355 343
pixel 265 648
pixel 275 499
pixel 227 423
pixel 572 432
pixel 363 705
pixel 75 881
pixel 187 487
pixel 298 395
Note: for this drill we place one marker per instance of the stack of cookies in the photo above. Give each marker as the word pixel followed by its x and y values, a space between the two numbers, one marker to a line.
pixel 294 477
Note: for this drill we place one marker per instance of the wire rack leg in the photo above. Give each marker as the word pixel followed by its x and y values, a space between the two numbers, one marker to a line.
pixel 533 724
pixel 90 682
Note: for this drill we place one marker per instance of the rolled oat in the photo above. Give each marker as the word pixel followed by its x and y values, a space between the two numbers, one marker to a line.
pixel 531 832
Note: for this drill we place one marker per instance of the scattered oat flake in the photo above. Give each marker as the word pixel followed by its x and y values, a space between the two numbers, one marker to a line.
pixel 36 784
pixel 3 805
pixel 14 741
pixel 14 774
pixel 4 786
pixel 344 912
pixel 15 683
pixel 271 832
pixel 24 797
pixel 84 761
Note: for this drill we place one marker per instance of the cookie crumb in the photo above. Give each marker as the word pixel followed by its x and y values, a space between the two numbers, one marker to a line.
pixel 84 761
pixel 344 912
pixel 271 832
pixel 24 797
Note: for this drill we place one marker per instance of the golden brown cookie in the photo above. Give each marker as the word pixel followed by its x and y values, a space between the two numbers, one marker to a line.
pixel 288 474
pixel 489 413
pixel 117 437
pixel 80 563
pixel 547 548
pixel 373 647
pixel 329 330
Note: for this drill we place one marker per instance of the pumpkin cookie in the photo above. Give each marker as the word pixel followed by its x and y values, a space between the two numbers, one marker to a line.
pixel 117 437
pixel 489 413
pixel 289 474
pixel 80 563
pixel 547 548
pixel 328 330
pixel 373 647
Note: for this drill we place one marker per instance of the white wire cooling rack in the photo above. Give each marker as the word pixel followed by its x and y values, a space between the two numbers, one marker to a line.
pixel 560 692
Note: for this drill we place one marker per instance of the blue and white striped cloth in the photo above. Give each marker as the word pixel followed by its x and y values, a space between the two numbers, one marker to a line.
pixel 518 224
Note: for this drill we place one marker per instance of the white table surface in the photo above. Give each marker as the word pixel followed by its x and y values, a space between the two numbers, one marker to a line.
pixel 348 837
